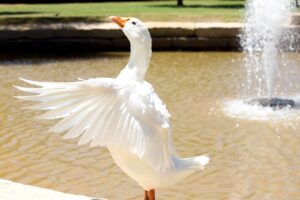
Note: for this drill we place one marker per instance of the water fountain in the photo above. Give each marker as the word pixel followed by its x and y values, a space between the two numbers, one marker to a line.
pixel 261 41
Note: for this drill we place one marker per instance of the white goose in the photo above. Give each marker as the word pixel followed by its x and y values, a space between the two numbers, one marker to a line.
pixel 124 114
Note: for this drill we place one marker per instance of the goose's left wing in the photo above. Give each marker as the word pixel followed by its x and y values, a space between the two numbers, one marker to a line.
pixel 107 111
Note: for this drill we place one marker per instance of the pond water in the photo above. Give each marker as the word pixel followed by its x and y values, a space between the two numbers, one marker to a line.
pixel 251 158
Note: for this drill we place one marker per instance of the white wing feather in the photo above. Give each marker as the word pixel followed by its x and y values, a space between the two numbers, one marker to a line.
pixel 108 112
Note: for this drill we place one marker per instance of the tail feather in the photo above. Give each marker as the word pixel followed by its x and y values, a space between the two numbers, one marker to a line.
pixel 198 162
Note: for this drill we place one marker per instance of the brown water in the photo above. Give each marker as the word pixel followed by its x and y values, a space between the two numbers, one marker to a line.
pixel 250 159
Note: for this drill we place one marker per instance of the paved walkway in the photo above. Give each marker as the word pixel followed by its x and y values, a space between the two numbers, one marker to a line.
pixel 15 191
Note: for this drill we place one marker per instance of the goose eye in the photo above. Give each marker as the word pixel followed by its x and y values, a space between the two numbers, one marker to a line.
pixel 134 23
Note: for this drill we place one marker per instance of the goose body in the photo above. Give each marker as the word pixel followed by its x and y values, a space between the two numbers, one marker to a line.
pixel 149 178
pixel 123 113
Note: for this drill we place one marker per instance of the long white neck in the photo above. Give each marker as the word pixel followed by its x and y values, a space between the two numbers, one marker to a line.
pixel 140 54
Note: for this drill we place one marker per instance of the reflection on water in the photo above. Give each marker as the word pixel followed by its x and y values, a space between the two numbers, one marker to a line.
pixel 243 110
pixel 250 159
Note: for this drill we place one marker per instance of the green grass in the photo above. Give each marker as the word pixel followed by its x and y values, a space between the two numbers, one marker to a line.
pixel 200 10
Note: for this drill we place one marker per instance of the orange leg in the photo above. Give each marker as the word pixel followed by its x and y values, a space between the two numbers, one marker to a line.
pixel 149 195
pixel 146 195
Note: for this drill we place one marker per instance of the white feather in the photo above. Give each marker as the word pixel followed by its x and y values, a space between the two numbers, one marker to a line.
pixel 108 112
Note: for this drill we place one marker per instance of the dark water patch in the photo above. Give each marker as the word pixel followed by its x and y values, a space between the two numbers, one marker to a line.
pixel 44 57
pixel 217 6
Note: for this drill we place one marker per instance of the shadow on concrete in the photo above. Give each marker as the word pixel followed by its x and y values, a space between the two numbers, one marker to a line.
pixel 18 13
pixel 48 20
pixel 8 59
pixel 228 6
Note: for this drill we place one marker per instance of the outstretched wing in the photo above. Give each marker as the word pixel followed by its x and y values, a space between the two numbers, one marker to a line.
pixel 107 111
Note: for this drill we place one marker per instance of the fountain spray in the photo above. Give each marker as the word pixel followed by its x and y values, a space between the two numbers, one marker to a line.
pixel 264 28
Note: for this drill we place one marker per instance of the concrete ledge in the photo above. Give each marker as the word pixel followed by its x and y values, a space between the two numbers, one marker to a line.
pixel 171 29
pixel 218 30
pixel 107 36
pixel 15 191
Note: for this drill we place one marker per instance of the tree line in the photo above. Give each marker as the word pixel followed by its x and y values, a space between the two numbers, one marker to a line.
pixel 180 3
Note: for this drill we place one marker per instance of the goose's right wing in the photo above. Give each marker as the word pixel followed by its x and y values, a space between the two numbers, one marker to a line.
pixel 106 111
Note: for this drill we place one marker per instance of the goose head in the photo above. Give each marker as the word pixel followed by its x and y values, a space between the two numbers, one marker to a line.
pixel 134 29
pixel 140 46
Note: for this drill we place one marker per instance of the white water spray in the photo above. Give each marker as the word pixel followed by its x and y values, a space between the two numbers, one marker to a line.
pixel 261 41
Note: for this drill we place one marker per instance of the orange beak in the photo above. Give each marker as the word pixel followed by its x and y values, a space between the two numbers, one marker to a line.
pixel 119 20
